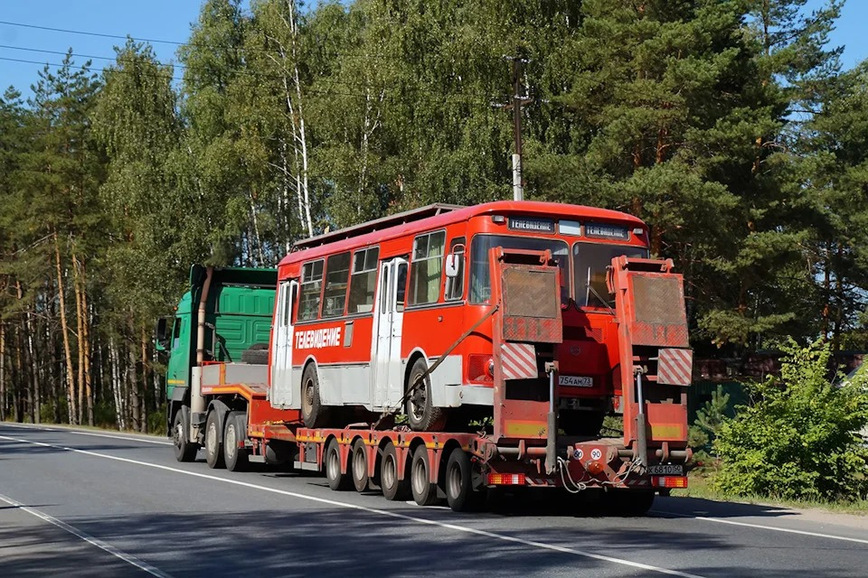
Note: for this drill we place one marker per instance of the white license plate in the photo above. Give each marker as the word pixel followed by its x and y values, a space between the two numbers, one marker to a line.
pixel 576 380
pixel 666 470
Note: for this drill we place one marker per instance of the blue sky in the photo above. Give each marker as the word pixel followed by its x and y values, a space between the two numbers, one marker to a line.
pixel 170 20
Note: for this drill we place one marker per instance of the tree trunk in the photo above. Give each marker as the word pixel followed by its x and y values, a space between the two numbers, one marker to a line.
pixel 2 371
pixel 67 350
pixel 84 378
pixel 117 386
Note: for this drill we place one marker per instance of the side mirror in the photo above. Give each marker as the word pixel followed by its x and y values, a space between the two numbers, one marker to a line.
pixel 161 339
pixel 453 264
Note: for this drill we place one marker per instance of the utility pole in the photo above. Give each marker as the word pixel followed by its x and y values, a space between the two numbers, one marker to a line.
pixel 518 101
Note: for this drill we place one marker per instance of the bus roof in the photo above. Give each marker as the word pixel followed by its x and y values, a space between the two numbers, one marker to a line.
pixel 439 215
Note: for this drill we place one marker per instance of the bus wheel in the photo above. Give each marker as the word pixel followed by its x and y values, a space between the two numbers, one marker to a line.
pixel 393 488
pixel 213 442
pixel 359 465
pixel 424 492
pixel 185 450
pixel 313 412
pixel 337 480
pixel 421 413
pixel 458 482
pixel 234 454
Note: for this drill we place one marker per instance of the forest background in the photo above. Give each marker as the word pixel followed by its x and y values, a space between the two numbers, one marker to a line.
pixel 728 125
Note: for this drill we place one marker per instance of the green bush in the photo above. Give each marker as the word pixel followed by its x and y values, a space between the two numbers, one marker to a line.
pixel 799 436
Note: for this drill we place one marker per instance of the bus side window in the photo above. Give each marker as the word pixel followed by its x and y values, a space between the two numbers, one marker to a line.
pixel 311 286
pixel 363 280
pixel 427 268
pixel 455 284
pixel 337 277
pixel 402 287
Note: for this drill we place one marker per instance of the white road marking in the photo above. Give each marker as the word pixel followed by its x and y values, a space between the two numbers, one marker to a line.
pixel 455 527
pixel 764 527
pixel 87 433
pixel 128 558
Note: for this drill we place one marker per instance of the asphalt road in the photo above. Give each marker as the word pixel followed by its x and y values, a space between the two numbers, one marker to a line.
pixel 84 503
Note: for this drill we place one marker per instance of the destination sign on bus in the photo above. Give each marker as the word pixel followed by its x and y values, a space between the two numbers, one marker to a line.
pixel 604 231
pixel 530 224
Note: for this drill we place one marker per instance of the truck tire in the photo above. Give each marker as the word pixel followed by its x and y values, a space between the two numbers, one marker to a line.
pixel 313 413
pixel 424 492
pixel 359 465
pixel 185 450
pixel 234 434
pixel 458 483
pixel 213 442
pixel 332 462
pixel 256 354
pixel 393 488
pixel 421 414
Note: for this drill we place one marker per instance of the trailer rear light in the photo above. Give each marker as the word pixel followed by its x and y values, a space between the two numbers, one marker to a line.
pixel 669 481
pixel 506 479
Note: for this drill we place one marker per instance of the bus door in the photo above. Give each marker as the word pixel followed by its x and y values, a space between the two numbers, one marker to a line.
pixel 387 383
pixel 281 347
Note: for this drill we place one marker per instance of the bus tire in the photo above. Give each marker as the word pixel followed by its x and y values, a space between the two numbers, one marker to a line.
pixel 235 432
pixel 359 465
pixel 213 441
pixel 424 492
pixel 393 488
pixel 256 354
pixel 185 450
pixel 313 413
pixel 421 413
pixel 332 462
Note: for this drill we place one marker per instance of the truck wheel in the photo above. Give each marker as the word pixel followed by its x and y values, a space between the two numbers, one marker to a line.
pixel 233 436
pixel 337 480
pixel 359 465
pixel 256 354
pixel 421 414
pixel 458 482
pixel 424 492
pixel 393 488
pixel 185 450
pixel 628 503
pixel 313 413
pixel 213 441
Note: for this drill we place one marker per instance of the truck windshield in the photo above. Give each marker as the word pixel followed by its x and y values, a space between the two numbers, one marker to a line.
pixel 480 281
pixel 589 262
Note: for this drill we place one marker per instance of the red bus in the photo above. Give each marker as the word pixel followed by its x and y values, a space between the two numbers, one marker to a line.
pixel 362 312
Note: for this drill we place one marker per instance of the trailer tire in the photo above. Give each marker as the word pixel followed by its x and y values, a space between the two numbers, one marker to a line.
pixel 185 450
pixel 338 481
pixel 213 442
pixel 393 488
pixel 421 413
pixel 256 354
pixel 424 492
pixel 359 465
pixel 235 432
pixel 313 413
pixel 458 482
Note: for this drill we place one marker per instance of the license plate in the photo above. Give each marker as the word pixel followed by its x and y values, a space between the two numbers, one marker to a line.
pixel 576 380
pixel 666 470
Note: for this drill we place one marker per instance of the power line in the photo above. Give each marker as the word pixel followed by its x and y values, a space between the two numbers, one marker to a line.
pixel 88 56
pixel 54 64
pixel 83 33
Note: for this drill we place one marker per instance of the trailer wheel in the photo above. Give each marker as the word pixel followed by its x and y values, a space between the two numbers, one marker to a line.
pixel 313 413
pixel 234 434
pixel 458 482
pixel 393 488
pixel 421 413
pixel 628 503
pixel 213 442
pixel 185 450
pixel 424 492
pixel 337 481
pixel 359 465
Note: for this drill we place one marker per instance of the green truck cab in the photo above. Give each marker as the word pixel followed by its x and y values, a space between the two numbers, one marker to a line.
pixel 238 308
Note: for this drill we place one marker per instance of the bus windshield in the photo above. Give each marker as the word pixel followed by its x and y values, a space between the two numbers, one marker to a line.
pixel 480 281
pixel 589 263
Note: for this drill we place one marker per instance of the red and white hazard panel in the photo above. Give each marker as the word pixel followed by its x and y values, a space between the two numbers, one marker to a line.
pixel 519 361
pixel 675 366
